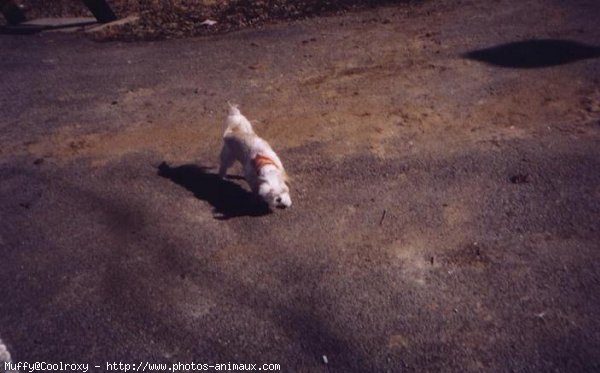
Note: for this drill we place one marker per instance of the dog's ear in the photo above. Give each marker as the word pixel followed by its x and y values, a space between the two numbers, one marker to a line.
pixel 286 177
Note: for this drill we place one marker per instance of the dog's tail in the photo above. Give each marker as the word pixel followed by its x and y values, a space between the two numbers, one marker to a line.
pixel 233 109
pixel 236 121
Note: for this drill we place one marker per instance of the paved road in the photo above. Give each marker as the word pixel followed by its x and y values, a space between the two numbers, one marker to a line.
pixel 445 169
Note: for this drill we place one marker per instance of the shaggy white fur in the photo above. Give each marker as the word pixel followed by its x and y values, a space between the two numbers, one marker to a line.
pixel 263 169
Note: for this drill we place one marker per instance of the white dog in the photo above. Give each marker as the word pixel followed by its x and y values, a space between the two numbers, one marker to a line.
pixel 263 169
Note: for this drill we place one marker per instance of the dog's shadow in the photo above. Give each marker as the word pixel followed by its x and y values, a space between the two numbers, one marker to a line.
pixel 227 198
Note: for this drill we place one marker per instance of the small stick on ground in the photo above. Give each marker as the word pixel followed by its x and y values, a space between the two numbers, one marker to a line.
pixel 382 217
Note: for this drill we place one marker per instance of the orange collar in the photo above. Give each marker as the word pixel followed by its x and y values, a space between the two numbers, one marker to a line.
pixel 261 161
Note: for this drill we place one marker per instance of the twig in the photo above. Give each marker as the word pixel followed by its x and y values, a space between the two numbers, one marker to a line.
pixel 382 217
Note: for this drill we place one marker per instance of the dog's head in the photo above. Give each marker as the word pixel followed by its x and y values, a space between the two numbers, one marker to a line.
pixel 275 192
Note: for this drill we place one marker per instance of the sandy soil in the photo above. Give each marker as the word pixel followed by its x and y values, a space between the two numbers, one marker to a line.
pixel 445 161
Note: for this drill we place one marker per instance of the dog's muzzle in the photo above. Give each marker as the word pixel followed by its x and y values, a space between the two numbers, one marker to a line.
pixel 279 203
pixel 282 202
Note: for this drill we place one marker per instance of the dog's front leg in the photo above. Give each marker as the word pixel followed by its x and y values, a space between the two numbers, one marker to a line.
pixel 226 159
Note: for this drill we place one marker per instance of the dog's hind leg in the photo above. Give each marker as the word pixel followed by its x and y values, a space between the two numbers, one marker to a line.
pixel 227 159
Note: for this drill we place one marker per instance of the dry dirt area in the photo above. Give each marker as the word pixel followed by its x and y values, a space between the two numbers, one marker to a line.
pixel 445 164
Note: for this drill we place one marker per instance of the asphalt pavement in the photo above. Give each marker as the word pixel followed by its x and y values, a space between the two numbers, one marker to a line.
pixel 445 166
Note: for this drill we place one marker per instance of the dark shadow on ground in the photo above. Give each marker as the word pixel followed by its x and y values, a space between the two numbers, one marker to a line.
pixel 228 199
pixel 534 53
pixel 32 27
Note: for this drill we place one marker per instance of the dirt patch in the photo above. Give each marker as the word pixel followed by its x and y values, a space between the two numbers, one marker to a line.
pixel 102 147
